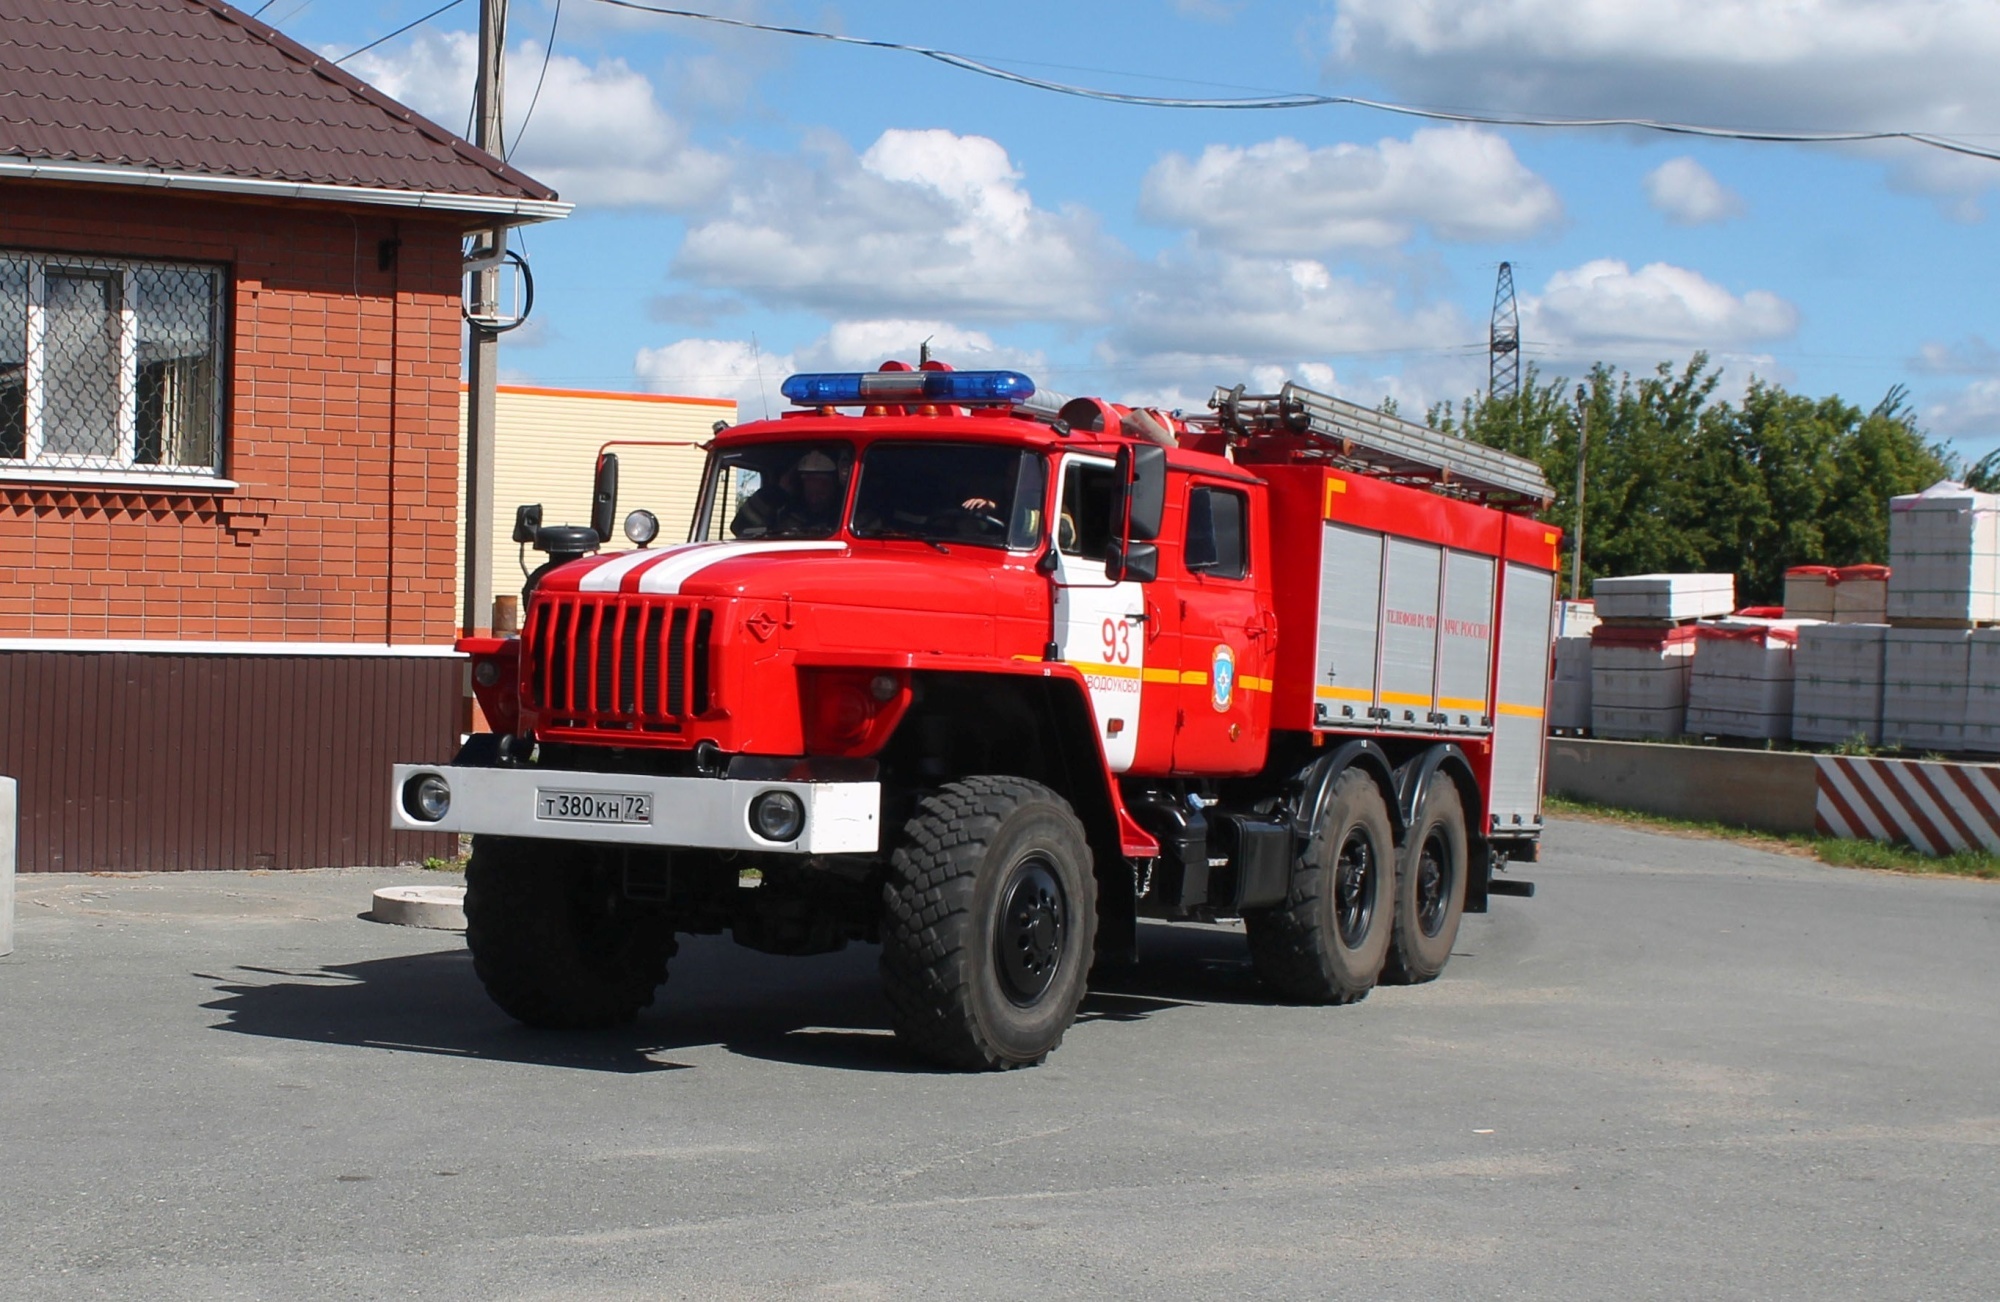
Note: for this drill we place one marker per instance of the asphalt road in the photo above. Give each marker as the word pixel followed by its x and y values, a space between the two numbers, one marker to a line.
pixel 1685 1069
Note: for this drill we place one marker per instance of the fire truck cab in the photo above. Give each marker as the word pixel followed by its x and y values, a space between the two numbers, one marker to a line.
pixel 984 676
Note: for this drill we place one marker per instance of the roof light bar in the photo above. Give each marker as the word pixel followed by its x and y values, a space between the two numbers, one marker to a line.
pixel 860 388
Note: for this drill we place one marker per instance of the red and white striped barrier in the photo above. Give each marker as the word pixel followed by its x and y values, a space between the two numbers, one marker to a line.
pixel 1937 808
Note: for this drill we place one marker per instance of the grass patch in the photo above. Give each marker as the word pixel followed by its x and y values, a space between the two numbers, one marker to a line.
pixel 1831 850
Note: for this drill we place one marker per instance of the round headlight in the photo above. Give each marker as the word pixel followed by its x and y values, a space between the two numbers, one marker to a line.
pixel 883 687
pixel 642 526
pixel 426 797
pixel 777 816
pixel 486 673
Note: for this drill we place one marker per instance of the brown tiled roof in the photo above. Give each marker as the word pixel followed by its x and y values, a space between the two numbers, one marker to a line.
pixel 196 87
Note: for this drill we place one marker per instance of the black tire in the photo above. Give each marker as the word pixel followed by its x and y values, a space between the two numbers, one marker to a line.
pixel 1430 889
pixel 989 916
pixel 554 939
pixel 1327 942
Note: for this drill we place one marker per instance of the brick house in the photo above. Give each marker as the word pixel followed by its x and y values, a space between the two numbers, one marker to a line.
pixel 230 342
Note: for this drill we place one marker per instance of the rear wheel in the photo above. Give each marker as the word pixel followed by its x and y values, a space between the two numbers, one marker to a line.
pixel 1430 890
pixel 1327 942
pixel 988 918
pixel 553 937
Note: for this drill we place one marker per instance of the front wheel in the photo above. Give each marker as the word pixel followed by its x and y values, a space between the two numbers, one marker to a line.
pixel 554 938
pixel 989 913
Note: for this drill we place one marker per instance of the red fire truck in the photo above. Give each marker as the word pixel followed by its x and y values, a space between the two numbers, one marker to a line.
pixel 984 676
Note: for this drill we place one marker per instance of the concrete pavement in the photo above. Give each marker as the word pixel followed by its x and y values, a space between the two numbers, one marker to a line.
pixel 1684 1069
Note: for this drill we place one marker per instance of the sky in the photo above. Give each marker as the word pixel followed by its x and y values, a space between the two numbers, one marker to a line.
pixel 751 204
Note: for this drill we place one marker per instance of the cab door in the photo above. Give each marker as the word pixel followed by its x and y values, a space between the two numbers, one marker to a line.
pixel 1101 627
pixel 1227 631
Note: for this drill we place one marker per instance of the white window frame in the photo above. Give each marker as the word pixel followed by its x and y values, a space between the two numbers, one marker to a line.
pixel 123 465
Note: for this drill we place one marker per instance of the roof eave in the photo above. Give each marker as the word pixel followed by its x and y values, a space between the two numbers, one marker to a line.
pixel 520 210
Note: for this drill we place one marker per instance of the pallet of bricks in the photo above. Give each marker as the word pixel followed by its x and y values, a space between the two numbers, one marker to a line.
pixel 1741 683
pixel 1569 692
pixel 1941 649
pixel 1837 663
pixel 1642 650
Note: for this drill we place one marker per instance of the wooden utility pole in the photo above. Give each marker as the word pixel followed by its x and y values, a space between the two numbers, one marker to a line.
pixel 1582 453
pixel 484 351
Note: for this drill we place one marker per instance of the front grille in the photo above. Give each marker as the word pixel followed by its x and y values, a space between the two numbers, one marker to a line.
pixel 616 663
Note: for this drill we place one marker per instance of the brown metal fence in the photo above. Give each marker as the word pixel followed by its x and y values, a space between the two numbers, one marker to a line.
pixel 166 762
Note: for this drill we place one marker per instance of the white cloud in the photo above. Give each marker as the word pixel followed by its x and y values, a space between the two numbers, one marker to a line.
pixel 1605 309
pixel 717 368
pixel 1281 197
pixel 1922 65
pixel 864 345
pixel 1689 195
pixel 598 134
pixel 737 368
pixel 924 221
pixel 1970 356
pixel 1973 410
pixel 1231 313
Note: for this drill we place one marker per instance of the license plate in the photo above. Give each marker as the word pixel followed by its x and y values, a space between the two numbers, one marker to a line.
pixel 593 807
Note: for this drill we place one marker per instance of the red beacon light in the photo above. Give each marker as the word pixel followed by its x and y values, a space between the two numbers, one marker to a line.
pixel 866 388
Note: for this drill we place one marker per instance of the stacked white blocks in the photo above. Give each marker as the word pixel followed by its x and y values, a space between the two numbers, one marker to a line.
pixel 1809 592
pixel 1575 618
pixel 1982 691
pixel 1569 694
pixel 1860 594
pixel 1639 681
pixel 1837 684
pixel 1741 682
pixel 1925 673
pixel 1641 654
pixel 1671 597
pixel 1944 555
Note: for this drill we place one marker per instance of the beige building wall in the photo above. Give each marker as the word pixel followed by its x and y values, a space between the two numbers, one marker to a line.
pixel 547 442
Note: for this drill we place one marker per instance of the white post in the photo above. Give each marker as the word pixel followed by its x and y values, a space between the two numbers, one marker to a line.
pixel 8 823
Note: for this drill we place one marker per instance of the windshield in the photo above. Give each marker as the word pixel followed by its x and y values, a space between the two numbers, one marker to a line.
pixel 776 490
pixel 986 494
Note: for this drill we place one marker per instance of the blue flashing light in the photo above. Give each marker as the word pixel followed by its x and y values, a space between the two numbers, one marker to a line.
pixel 861 388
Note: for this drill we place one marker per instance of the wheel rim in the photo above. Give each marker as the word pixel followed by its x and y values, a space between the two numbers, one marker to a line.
pixel 1433 885
pixel 1355 881
pixel 1028 943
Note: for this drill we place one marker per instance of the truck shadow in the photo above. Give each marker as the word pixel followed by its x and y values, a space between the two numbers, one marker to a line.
pixel 819 1012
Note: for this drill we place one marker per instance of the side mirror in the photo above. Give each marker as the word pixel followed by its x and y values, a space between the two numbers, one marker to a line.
pixel 527 519
pixel 604 498
pixel 1132 562
pixel 1142 491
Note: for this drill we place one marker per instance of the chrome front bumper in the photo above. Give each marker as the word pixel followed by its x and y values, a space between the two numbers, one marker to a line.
pixel 704 813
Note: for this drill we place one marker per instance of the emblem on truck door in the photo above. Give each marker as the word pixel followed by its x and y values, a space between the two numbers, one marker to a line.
pixel 1222 678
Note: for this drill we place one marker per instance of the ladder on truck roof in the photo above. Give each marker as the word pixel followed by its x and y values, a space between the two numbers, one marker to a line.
pixel 1387 446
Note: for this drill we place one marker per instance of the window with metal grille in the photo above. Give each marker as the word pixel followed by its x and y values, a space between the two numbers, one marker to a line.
pixel 109 365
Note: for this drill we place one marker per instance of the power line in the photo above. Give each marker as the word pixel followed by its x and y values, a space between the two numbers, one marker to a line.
pixel 289 14
pixel 449 4
pixel 548 52
pixel 1306 100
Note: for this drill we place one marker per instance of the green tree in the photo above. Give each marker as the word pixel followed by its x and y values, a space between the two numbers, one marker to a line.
pixel 1678 481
